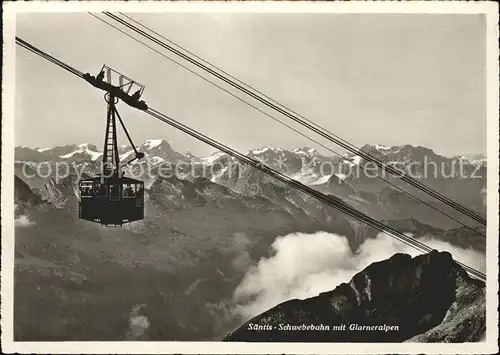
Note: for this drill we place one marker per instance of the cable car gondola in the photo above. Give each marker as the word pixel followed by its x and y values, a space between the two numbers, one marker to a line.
pixel 112 198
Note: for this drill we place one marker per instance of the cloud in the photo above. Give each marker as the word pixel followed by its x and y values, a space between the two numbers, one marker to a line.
pixel 237 248
pixel 138 324
pixel 23 221
pixel 303 265
pixel 241 261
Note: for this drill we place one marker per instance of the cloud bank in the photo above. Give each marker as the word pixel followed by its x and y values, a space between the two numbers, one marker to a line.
pixel 23 221
pixel 138 324
pixel 304 265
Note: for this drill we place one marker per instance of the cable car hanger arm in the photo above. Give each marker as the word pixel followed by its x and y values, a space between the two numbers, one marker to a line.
pixel 138 155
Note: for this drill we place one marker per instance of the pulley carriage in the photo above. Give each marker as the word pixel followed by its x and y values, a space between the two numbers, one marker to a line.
pixel 119 86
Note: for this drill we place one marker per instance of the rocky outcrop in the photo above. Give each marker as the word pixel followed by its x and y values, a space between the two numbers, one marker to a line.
pixel 24 197
pixel 427 298
pixel 23 193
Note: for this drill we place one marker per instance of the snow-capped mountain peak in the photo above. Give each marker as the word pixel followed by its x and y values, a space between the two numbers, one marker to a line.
pixel 83 151
pixel 475 159
pixel 88 146
pixel 382 147
pixel 152 143
pixel 305 151
pixel 211 159
pixel 128 154
pixel 264 150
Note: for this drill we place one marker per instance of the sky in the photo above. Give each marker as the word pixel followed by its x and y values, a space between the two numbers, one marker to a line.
pixel 388 79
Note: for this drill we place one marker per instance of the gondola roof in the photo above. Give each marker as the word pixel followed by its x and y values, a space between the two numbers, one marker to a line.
pixel 114 179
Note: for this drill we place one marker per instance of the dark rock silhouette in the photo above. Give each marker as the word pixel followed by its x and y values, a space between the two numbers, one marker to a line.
pixel 414 295
pixel 23 193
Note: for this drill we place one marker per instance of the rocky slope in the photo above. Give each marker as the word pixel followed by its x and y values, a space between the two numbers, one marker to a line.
pixel 24 198
pixel 180 266
pixel 429 298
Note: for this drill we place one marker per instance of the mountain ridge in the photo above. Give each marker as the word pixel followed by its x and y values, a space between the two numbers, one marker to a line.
pixel 329 175
pixel 57 151
pixel 399 292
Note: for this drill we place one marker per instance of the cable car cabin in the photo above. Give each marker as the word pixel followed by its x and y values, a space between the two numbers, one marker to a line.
pixel 117 201
pixel 114 199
